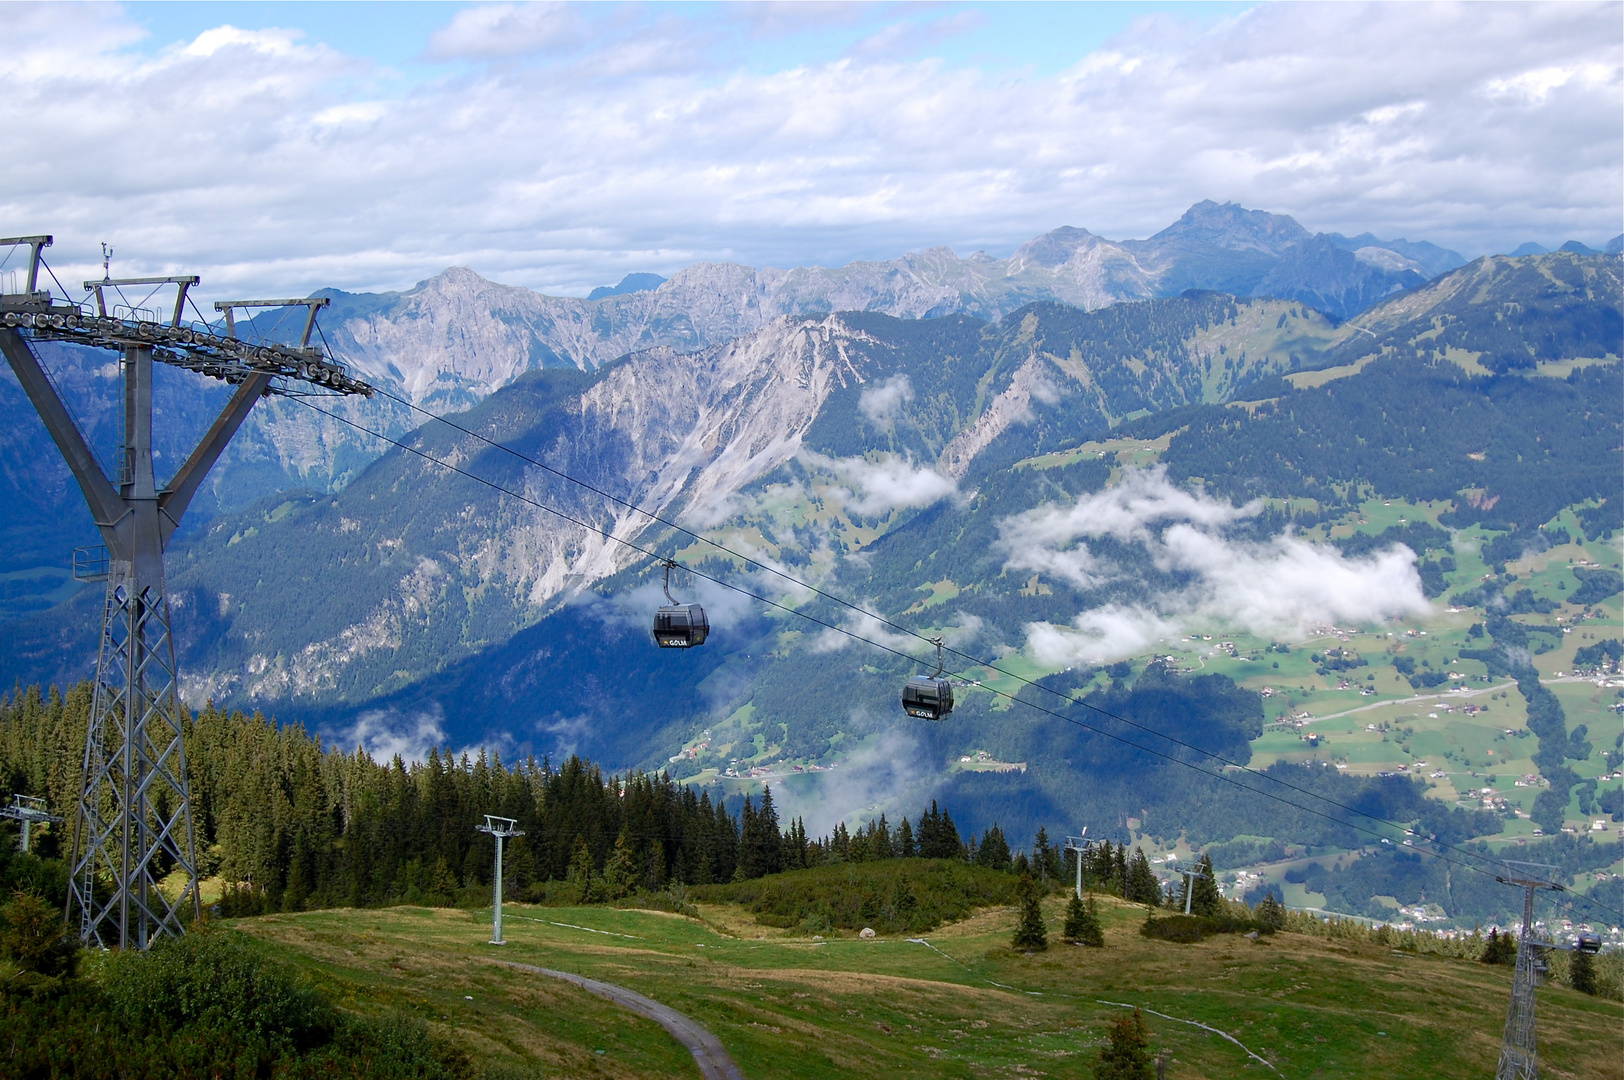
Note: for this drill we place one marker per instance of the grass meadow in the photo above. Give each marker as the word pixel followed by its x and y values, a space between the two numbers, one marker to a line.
pixel 960 1004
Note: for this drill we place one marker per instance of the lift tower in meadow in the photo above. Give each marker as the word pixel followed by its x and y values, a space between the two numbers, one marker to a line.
pixel 1519 1054
pixel 133 821
pixel 1519 1051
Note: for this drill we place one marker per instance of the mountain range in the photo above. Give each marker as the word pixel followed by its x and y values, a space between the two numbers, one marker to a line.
pixel 457 337
pixel 861 419
pixel 932 437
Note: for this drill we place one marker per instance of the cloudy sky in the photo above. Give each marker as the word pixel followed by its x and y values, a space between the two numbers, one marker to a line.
pixel 277 147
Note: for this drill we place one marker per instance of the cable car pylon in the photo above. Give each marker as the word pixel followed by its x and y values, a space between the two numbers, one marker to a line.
pixel 133 824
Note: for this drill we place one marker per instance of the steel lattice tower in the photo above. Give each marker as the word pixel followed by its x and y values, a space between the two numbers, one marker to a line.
pixel 133 823
pixel 1519 1052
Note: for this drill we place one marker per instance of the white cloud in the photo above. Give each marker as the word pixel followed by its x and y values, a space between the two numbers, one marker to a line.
pixel 891 482
pixel 386 734
pixel 1125 511
pixel 884 402
pixel 1280 588
pixel 502 30
pixel 890 772
pixel 267 162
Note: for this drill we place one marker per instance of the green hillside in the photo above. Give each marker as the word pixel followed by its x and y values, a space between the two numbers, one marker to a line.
pixel 957 1002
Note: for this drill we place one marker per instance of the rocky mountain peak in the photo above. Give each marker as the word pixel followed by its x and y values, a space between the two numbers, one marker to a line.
pixel 1054 248
pixel 1234 228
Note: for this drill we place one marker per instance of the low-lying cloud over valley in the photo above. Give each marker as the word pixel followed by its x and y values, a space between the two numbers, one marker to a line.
pixel 1282 587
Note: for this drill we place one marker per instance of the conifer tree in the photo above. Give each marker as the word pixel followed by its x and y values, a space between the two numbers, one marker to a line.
pixel 1205 898
pixel 1500 948
pixel 1141 886
pixel 1046 857
pixel 1030 933
pixel 582 873
pixel 1582 973
pixel 620 872
pixel 993 852
pixel 1083 922
pixel 442 883
pixel 905 841
pixel 1270 912
pixel 1126 1056
pixel 879 840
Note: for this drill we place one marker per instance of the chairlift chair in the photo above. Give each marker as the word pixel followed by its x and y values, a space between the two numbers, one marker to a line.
pixel 679 626
pixel 928 697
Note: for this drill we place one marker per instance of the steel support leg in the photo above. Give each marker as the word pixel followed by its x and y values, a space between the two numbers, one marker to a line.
pixel 135 814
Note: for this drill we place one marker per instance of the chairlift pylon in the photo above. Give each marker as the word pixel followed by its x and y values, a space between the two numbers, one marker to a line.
pixel 679 626
pixel 929 697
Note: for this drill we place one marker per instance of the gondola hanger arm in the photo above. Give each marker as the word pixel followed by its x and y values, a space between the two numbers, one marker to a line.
pixel 670 565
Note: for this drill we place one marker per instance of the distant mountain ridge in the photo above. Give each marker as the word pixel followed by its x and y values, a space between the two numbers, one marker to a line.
pixel 458 336
pixel 454 339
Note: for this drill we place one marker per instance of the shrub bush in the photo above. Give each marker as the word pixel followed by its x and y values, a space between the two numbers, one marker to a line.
pixel 890 895
pixel 34 937
pixel 219 979
pixel 1187 929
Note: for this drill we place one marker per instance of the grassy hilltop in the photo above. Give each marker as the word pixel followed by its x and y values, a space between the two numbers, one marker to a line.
pixel 956 1003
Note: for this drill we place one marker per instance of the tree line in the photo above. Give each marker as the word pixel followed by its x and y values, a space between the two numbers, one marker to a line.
pixel 288 823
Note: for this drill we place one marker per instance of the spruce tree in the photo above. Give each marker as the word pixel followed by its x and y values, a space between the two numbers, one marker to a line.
pixel 1270 912
pixel 993 851
pixel 905 841
pixel 1500 948
pixel 1083 923
pixel 1582 973
pixel 620 871
pixel 1140 884
pixel 1030 933
pixel 1127 1055
pixel 442 883
pixel 582 873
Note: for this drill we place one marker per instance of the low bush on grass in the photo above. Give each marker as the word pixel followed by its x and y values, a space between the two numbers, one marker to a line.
pixel 891 896
pixel 208 1005
pixel 1186 929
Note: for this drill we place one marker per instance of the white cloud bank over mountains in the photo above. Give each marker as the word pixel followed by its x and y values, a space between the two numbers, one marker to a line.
pixel 1280 588
pixel 876 487
pixel 563 146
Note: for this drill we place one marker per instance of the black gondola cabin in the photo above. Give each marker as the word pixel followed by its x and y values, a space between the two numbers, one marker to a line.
pixel 927 698
pixel 680 626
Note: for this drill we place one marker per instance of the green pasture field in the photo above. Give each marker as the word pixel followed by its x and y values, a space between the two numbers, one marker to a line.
pixel 963 1005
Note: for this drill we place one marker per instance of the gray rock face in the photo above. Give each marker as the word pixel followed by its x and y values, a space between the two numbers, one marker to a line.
pixel 457 337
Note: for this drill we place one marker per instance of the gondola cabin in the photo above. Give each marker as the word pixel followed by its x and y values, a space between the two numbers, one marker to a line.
pixel 927 698
pixel 680 626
